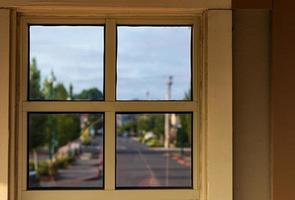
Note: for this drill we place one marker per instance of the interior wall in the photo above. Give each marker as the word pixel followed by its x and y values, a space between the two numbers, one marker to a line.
pixel 283 99
pixel 251 68
pixel 252 4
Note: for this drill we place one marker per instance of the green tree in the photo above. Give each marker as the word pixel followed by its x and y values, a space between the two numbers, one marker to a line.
pixel 67 128
pixel 188 95
pixel 90 94
pixel 151 123
pixel 129 126
pixel 54 90
pixel 35 79
pixel 60 92
pixel 48 86
pixel 37 134
pixel 184 136
pixel 157 124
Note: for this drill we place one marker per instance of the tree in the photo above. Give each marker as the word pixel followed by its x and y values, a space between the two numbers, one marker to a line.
pixel 48 86
pixel 90 94
pixel 151 122
pixel 60 92
pixel 67 128
pixel 35 86
pixel 54 90
pixel 184 136
pixel 36 121
pixel 188 95
pixel 185 131
pixel 37 134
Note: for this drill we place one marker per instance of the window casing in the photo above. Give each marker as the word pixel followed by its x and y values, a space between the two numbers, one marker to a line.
pixel 213 128
pixel 110 107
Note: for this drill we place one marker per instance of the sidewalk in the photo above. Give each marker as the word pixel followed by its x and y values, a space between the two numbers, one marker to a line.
pixel 85 171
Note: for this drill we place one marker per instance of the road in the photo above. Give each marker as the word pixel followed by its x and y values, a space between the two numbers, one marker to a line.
pixel 141 166
pixel 137 166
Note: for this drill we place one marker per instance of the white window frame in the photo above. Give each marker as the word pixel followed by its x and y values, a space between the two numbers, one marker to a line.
pixel 212 104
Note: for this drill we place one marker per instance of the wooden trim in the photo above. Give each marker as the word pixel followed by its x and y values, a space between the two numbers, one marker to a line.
pixel 110 60
pixel 109 106
pixel 112 195
pixel 219 106
pixel 110 151
pixel 252 4
pixel 4 101
pixel 213 123
pixel 131 4
pixel 13 108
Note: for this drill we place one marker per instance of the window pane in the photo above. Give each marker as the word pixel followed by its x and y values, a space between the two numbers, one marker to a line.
pixel 154 150
pixel 66 62
pixel 154 63
pixel 65 150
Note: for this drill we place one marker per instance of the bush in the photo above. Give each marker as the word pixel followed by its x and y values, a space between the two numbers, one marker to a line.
pixel 63 163
pixel 153 142
pixel 43 168
pixel 47 168
pixel 31 165
pixel 86 141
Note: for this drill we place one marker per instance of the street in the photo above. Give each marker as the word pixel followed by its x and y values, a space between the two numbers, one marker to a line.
pixel 141 166
pixel 137 166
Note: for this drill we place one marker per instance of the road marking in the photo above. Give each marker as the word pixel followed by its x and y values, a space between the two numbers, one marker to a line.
pixel 153 181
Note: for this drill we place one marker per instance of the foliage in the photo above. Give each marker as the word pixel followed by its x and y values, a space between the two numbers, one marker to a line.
pixel 184 136
pixel 67 127
pixel 155 123
pixel 31 165
pixel 55 130
pixel 37 131
pixel 63 163
pixel 96 121
pixel 91 94
pixel 47 168
pixel 53 90
pixel 188 95
pixel 50 168
pixel 35 78
pixel 153 142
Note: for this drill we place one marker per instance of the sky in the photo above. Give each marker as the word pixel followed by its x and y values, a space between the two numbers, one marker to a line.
pixel 146 57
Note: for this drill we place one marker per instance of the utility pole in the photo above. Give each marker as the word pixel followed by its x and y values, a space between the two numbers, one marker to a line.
pixel 147 95
pixel 167 116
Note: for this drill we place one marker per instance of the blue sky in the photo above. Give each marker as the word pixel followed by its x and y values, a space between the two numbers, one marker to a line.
pixel 146 57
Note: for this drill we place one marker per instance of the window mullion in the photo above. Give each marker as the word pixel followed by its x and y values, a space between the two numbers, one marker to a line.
pixel 110 146
pixel 110 95
pixel 110 60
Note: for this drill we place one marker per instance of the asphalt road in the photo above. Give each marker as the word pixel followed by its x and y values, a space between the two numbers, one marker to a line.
pixel 137 166
pixel 141 166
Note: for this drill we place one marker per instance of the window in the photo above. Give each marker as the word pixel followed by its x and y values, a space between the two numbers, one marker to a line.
pixel 112 107
pixel 68 60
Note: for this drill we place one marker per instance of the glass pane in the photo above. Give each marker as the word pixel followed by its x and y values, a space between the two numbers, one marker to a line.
pixel 154 63
pixel 66 62
pixel 154 150
pixel 65 150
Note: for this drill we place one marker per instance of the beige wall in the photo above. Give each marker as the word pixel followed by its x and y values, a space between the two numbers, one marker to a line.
pixel 251 52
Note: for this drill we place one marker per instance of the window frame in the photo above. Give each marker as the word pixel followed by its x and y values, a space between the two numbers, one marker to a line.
pixel 5 104
pixel 216 75
pixel 109 106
